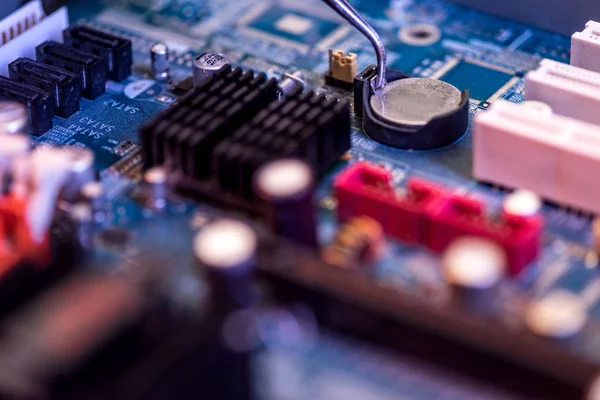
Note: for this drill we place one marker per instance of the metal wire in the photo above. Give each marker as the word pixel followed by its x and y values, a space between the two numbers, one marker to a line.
pixel 350 14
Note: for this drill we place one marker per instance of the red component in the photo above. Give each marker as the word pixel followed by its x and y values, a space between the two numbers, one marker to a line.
pixel 16 244
pixel 366 189
pixel 462 215
pixel 428 214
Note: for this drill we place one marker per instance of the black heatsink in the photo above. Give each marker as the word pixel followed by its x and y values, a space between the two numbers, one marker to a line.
pixel 214 139
pixel 314 128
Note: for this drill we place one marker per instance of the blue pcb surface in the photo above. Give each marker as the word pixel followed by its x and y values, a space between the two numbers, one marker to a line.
pixel 485 54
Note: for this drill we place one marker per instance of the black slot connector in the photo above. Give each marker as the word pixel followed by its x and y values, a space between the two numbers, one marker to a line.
pixel 65 85
pixel 39 103
pixel 116 50
pixel 92 70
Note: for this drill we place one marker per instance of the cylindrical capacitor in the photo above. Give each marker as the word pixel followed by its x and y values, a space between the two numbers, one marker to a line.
pixel 557 315
pixel 522 203
pixel 13 117
pixel 93 194
pixel 82 171
pixel 227 251
pixel 159 57
pixel 207 64
pixel 473 267
pixel 291 83
pixel 82 217
pixel 287 188
pixel 11 147
pixel 155 180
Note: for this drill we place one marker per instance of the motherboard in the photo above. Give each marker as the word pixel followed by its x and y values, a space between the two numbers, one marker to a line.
pixel 213 199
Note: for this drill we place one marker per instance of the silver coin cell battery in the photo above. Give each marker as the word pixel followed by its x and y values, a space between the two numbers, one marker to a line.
pixel 207 64
pixel 415 101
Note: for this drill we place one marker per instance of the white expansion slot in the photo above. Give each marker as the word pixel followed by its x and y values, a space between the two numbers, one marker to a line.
pixel 22 31
pixel 554 156
pixel 585 47
pixel 570 91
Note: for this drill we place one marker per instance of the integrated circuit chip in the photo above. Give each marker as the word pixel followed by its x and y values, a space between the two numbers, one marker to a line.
pixel 485 82
pixel 295 25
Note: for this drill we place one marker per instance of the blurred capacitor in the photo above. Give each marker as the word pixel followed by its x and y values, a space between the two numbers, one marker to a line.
pixel 288 189
pixel 226 250
pixel 11 147
pixel 93 194
pixel 155 181
pixel 82 218
pixel 474 267
pixel 557 315
pixel 81 171
pixel 13 117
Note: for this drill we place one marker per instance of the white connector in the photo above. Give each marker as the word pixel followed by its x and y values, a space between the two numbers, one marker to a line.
pixel 585 47
pixel 554 156
pixel 22 31
pixel 570 91
pixel 21 21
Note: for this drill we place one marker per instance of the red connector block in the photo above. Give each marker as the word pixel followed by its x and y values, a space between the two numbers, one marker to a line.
pixel 366 189
pixel 431 215
pixel 16 244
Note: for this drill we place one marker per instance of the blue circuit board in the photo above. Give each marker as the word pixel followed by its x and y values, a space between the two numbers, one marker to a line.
pixel 470 50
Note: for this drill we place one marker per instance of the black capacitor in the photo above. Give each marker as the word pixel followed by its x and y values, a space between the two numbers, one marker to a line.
pixel 226 250
pixel 287 187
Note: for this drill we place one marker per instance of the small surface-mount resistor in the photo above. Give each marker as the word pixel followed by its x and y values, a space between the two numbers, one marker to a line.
pixel 361 241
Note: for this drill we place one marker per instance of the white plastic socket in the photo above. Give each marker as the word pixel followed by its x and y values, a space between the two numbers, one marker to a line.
pixel 554 156
pixel 22 31
pixel 570 91
pixel 585 47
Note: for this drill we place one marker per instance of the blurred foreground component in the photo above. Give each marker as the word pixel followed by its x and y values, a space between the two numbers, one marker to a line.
pixel 114 336
pixel 516 351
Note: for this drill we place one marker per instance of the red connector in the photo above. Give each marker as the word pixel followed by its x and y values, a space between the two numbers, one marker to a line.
pixel 366 189
pixel 462 215
pixel 16 244
pixel 430 215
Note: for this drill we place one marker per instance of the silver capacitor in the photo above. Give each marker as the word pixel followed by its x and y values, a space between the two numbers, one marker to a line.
pixel 207 64
pixel 94 195
pixel 82 218
pixel 81 172
pixel 474 268
pixel 155 181
pixel 291 83
pixel 159 56
pixel 13 117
